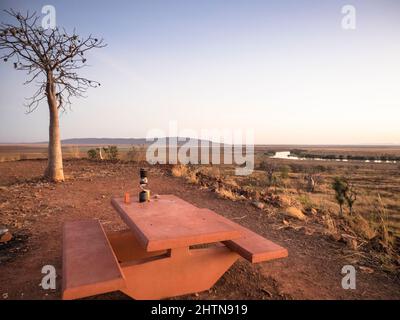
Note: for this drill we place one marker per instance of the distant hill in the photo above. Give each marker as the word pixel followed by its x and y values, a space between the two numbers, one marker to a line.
pixel 107 141
pixel 116 141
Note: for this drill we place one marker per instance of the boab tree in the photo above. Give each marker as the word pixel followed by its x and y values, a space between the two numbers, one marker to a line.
pixel 51 59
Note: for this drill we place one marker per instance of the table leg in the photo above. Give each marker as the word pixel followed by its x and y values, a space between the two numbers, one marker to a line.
pixel 127 248
pixel 175 272
pixel 184 271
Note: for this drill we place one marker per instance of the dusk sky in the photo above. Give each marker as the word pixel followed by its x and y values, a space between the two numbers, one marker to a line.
pixel 286 69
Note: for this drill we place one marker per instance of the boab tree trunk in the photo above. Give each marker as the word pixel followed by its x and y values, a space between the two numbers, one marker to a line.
pixel 54 171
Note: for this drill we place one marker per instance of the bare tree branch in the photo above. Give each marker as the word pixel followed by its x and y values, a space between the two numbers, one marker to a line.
pixel 48 56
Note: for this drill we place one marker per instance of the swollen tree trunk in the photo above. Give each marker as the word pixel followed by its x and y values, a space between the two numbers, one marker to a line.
pixel 54 171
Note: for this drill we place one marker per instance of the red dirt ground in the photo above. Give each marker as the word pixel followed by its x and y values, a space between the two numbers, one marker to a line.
pixel 34 211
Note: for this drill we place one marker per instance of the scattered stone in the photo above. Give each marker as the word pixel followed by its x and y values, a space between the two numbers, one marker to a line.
pixel 266 292
pixel 335 236
pixel 17 225
pixel 3 230
pixel 308 231
pixel 296 213
pixel 366 269
pixel 5 237
pixel 313 211
pixel 350 241
pixel 258 204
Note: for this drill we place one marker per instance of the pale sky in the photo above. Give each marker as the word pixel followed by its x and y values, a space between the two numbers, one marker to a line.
pixel 285 69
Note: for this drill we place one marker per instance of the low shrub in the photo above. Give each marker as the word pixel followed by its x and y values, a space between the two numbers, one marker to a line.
pixel 92 154
pixel 111 153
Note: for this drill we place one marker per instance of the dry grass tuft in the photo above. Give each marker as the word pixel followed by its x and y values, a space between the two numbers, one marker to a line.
pixel 191 177
pixel 210 171
pixel 361 226
pixel 231 182
pixel 383 217
pixel 227 194
pixel 296 213
pixel 75 152
pixel 330 226
pixel 179 170
pixel 136 154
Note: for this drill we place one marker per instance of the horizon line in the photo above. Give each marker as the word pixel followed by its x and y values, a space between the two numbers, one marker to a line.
pixel 256 144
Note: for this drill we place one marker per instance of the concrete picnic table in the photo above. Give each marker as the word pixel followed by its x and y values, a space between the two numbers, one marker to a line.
pixel 170 248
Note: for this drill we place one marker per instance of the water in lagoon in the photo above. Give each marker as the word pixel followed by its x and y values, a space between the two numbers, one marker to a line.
pixel 287 155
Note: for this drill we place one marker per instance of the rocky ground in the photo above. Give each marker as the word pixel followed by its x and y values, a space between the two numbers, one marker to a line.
pixel 34 212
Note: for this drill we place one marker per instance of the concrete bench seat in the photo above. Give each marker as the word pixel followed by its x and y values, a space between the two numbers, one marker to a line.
pixel 252 246
pixel 89 263
pixel 256 248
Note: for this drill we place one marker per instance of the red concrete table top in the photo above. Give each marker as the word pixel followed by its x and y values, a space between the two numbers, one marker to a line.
pixel 170 222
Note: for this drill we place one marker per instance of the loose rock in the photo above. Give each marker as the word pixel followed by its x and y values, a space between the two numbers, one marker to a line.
pixel 258 204
pixel 5 237
pixel 295 213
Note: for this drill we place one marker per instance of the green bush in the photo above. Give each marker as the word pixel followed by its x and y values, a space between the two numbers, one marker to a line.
pixel 345 192
pixel 92 154
pixel 340 187
pixel 269 153
pixel 111 153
